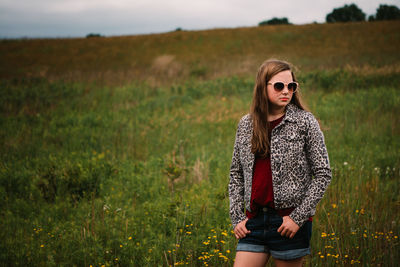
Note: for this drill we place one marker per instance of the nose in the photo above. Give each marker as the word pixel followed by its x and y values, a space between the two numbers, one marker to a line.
pixel 285 89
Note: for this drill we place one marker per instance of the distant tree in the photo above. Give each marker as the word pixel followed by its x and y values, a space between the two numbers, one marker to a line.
pixel 91 35
pixel 274 21
pixel 371 18
pixel 346 14
pixel 385 12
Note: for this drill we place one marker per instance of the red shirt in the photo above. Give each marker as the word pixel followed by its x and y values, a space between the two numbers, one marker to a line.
pixel 262 190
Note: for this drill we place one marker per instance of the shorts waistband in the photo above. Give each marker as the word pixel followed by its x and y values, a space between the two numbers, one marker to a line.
pixel 281 212
pixel 268 209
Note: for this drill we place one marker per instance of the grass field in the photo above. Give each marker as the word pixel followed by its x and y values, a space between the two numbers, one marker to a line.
pixel 116 151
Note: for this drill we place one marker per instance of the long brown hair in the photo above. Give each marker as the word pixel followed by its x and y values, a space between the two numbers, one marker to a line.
pixel 260 142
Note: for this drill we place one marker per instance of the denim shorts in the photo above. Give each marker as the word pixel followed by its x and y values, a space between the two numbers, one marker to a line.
pixel 264 237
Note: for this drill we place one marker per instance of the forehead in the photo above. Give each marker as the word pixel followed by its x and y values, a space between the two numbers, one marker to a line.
pixel 283 76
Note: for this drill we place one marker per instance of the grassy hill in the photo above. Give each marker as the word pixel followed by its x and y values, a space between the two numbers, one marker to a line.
pixel 207 54
pixel 116 151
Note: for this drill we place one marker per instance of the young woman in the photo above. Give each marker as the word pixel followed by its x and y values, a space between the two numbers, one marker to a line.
pixel 279 172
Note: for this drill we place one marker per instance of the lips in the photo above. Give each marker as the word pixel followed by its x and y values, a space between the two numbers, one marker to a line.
pixel 284 99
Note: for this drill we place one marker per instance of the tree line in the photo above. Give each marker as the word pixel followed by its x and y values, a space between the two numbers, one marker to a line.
pixel 348 13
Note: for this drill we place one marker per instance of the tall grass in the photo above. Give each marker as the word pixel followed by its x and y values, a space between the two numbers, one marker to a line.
pixel 137 175
pixel 116 151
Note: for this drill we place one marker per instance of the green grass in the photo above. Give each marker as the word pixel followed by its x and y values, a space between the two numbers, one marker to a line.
pixel 116 151
pixel 137 175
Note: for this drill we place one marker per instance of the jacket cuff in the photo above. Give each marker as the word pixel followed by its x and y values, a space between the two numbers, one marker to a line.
pixel 298 218
pixel 237 220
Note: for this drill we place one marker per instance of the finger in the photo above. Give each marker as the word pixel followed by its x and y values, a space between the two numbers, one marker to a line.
pixel 237 229
pixel 240 232
pixel 280 229
pixel 292 235
pixel 244 228
pixel 241 235
pixel 237 234
pixel 244 231
pixel 244 225
pixel 284 232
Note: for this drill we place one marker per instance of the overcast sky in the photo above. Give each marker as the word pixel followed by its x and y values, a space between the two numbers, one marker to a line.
pixel 75 18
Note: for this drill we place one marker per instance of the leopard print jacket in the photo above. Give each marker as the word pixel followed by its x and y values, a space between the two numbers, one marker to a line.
pixel 299 163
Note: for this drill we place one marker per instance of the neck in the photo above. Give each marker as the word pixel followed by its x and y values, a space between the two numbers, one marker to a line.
pixel 275 113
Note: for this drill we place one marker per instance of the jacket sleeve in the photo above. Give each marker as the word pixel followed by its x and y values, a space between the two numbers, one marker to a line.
pixel 318 160
pixel 236 183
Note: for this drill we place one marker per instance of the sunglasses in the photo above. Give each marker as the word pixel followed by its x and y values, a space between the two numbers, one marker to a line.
pixel 278 86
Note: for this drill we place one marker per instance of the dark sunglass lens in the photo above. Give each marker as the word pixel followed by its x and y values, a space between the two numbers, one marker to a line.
pixel 292 86
pixel 279 86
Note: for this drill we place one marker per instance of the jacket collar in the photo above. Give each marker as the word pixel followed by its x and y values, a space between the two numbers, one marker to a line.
pixel 291 110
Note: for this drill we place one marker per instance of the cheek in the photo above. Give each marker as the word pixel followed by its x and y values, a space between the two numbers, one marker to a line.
pixel 271 95
pixel 271 99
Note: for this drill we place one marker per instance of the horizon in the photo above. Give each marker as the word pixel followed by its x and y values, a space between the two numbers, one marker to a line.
pixel 76 18
pixel 156 33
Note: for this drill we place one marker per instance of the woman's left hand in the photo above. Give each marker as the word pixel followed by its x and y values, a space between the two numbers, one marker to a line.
pixel 288 228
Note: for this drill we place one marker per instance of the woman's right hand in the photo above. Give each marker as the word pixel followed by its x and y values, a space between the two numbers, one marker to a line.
pixel 241 230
